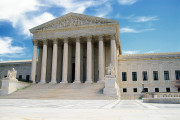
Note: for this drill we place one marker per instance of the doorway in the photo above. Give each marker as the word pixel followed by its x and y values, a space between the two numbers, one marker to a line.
pixel 73 72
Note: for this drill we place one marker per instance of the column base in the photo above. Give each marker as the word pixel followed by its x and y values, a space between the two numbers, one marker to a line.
pixel 76 81
pixel 52 82
pixel 100 81
pixel 63 82
pixel 41 82
pixel 89 81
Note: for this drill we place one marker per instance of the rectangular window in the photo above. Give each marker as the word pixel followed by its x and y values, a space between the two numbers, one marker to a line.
pixel 168 90
pixel 166 75
pixel 134 76
pixel 145 75
pixel 155 75
pixel 145 89
pixel 20 77
pixel 177 72
pixel 134 89
pixel 124 76
pixel 124 90
pixel 156 89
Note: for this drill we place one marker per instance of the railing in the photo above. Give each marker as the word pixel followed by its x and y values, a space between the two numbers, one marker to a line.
pixel 131 96
pixel 160 95
pixel 148 95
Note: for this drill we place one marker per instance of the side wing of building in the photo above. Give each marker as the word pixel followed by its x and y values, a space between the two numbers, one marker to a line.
pixel 23 68
pixel 156 73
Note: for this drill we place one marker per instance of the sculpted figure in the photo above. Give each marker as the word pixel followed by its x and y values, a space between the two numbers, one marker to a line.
pixel 110 70
pixel 12 74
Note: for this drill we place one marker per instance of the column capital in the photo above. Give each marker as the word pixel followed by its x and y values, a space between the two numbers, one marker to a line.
pixel 45 42
pixel 78 39
pixel 65 40
pixel 55 41
pixel 112 36
pixel 89 38
pixel 101 37
pixel 35 42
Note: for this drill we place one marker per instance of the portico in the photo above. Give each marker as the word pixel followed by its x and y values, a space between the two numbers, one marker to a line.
pixel 74 52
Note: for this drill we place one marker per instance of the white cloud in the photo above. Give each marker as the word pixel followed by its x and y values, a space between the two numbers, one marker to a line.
pixel 133 18
pixel 77 6
pixel 103 11
pixel 132 30
pixel 16 12
pixel 27 23
pixel 145 18
pixel 12 10
pixel 128 30
pixel 152 51
pixel 7 48
pixel 25 14
pixel 130 52
pixel 127 2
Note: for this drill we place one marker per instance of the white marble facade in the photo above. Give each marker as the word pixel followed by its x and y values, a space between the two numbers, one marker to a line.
pixel 159 62
pixel 77 48
pixel 74 48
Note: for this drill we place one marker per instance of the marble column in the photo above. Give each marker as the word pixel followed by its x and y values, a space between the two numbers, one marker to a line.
pixel 54 62
pixel 89 60
pixel 34 61
pixel 65 62
pixel 69 73
pixel 77 61
pixel 81 64
pixel 44 60
pixel 39 64
pixel 113 51
pixel 101 59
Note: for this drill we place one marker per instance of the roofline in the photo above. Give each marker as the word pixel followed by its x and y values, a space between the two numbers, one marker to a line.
pixel 56 19
pixel 149 54
pixel 16 61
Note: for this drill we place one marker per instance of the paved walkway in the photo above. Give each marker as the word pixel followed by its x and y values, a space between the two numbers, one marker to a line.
pixel 26 109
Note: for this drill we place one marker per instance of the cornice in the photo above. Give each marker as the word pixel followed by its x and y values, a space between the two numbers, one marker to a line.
pixel 150 56
pixel 76 28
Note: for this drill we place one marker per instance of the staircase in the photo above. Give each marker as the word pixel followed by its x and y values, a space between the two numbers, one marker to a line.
pixel 70 91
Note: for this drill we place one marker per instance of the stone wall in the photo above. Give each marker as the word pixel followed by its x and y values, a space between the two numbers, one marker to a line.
pixel 162 100
pixel 23 68
pixel 147 62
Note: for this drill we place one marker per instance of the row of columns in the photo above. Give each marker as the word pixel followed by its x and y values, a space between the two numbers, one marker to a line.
pixel 89 79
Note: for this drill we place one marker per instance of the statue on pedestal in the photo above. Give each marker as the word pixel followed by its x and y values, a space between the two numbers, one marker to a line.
pixel 110 70
pixel 11 75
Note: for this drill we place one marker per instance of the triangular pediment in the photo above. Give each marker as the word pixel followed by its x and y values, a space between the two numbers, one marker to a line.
pixel 72 20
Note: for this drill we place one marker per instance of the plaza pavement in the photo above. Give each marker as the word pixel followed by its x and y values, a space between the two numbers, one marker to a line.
pixel 28 109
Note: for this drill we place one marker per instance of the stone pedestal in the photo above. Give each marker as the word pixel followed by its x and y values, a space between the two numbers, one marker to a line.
pixel 110 86
pixel 9 86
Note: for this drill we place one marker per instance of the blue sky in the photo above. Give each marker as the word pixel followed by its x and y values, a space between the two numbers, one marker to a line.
pixel 146 26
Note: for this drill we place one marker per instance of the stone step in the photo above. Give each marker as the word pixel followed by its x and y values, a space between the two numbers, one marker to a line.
pixel 61 91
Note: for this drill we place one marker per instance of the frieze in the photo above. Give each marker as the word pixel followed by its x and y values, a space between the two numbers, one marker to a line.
pixel 72 21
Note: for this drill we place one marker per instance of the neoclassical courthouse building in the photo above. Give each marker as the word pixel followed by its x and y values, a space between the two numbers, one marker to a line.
pixel 77 48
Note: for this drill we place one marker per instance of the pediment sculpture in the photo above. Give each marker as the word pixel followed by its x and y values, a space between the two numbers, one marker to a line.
pixel 71 21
